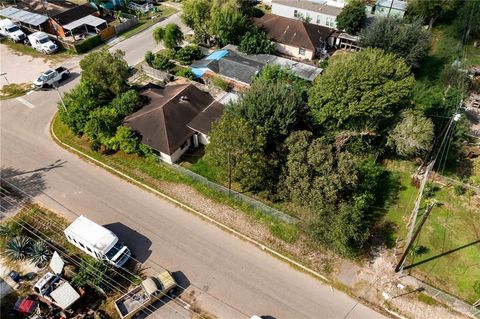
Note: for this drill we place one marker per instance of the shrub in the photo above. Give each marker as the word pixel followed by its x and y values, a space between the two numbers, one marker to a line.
pixel 88 44
pixel 125 140
pixel 162 63
pixel 458 190
pixel 93 273
pixel 18 248
pixel 186 73
pixel 188 54
pixel 430 190
pixel 126 103
pixel 39 252
pixel 149 56
pixel 220 83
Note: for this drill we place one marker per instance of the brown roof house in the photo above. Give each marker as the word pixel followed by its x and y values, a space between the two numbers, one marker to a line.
pixel 295 37
pixel 177 117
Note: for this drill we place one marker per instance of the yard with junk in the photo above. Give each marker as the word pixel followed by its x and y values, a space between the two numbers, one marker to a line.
pixel 44 276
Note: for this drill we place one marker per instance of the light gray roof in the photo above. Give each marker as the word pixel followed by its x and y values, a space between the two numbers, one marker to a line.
pixel 88 20
pixel 64 295
pixel 310 5
pixel 19 15
pixel 302 70
pixel 397 4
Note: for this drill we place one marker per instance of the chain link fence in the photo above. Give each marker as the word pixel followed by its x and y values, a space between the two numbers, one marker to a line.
pixel 244 199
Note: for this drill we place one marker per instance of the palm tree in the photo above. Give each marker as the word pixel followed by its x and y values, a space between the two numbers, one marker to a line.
pixel 39 252
pixel 18 247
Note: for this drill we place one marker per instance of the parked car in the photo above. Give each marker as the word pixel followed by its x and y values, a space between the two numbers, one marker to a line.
pixel 142 296
pixel 41 42
pixel 11 30
pixel 97 241
pixel 50 77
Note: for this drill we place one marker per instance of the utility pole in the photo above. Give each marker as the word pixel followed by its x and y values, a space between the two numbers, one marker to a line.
pixel 399 266
pixel 60 96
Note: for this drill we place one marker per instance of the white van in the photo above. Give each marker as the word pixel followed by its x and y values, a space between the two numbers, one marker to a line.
pixel 41 42
pixel 10 30
pixel 97 241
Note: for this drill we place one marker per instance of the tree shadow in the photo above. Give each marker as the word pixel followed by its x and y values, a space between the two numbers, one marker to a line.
pixel 20 186
pixel 138 244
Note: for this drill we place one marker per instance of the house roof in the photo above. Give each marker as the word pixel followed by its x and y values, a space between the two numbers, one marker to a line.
pixel 203 121
pixel 230 65
pixel 74 14
pixel 23 16
pixel 164 122
pixel 293 32
pixel 310 5
pixel 88 20
pixel 64 295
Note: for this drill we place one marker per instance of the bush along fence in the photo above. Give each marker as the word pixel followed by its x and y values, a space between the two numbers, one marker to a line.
pixel 252 203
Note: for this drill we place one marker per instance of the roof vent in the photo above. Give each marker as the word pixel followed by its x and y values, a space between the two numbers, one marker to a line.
pixel 184 98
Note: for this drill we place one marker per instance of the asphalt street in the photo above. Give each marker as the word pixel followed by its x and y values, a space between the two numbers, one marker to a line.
pixel 223 274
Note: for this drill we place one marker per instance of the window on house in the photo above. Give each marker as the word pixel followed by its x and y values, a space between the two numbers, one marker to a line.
pixel 81 245
pixel 330 22
pixel 301 51
pixel 295 13
pixel 318 19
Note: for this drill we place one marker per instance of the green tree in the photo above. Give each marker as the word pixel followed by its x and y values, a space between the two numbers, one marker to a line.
pixel 360 91
pixel 101 126
pixel 106 70
pixel 407 40
pixel 149 56
pixel 275 106
pixel 353 17
pixel 125 140
pixel 161 62
pixel 188 54
pixel 79 102
pixel 256 42
pixel 196 15
pixel 170 35
pixel 432 10
pixel 227 25
pixel 413 134
pixel 186 73
pixel 235 151
pixel 126 103
pixel 94 273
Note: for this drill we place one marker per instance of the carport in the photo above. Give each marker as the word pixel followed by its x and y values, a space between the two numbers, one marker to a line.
pixel 89 23
pixel 29 20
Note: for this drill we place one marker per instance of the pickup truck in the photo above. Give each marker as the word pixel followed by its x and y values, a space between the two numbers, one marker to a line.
pixel 142 296
pixel 50 77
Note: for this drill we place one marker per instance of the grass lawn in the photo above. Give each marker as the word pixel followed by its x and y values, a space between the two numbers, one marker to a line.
pixel 452 224
pixel 451 236
pixel 23 49
pixel 472 55
pixel 144 23
pixel 13 90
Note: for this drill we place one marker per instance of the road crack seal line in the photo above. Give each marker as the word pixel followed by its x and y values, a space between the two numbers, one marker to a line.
pixel 186 207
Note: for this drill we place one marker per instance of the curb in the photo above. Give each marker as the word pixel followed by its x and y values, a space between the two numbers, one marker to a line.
pixel 190 209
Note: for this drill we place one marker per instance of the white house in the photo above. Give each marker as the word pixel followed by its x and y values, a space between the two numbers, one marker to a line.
pixel 320 12
pixel 392 8
pixel 176 117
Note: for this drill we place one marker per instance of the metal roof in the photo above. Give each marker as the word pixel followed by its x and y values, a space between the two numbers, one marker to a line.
pixel 394 4
pixel 88 20
pixel 64 296
pixel 19 15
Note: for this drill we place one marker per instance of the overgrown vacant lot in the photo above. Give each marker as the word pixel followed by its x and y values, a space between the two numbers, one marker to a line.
pixel 448 248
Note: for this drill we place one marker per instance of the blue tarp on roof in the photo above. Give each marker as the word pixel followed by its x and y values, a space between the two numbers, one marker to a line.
pixel 217 55
pixel 198 71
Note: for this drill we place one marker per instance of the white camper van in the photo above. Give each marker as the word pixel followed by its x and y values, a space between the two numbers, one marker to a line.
pixel 41 42
pixel 12 31
pixel 97 241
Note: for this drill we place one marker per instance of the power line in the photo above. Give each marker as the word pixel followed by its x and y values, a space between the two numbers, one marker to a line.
pixel 136 260
pixel 126 270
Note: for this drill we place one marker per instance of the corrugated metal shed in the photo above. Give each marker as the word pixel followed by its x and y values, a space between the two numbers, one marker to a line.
pixel 64 296
pixel 19 15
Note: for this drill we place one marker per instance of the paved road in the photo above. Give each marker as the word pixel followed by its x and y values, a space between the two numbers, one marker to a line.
pixel 226 276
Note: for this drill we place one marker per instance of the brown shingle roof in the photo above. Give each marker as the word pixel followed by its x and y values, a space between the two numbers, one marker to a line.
pixel 293 32
pixel 203 122
pixel 163 122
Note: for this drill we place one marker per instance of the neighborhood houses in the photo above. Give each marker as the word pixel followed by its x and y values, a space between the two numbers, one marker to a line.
pixel 175 159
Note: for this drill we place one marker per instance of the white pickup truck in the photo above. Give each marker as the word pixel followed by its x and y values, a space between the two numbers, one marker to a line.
pixel 50 77
pixel 144 295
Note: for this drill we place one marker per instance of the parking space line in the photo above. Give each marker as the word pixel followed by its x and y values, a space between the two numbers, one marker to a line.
pixel 25 102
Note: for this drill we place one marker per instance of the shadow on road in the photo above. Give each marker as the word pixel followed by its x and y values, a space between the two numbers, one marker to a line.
pixel 138 243
pixel 21 186
pixel 182 282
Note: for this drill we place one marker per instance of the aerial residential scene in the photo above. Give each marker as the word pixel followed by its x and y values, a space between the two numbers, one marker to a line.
pixel 240 159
